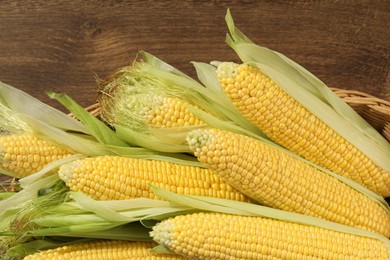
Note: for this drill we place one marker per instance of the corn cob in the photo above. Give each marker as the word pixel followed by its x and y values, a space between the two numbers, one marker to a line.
pixel 279 180
pixel 154 110
pixel 291 125
pixel 118 178
pixel 131 98
pixel 24 154
pixel 224 236
pixel 103 249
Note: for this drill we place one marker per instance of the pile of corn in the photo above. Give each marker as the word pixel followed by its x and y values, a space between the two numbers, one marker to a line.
pixel 234 167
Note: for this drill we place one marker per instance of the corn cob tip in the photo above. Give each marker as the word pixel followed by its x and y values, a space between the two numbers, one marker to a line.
pixel 198 138
pixel 65 172
pixel 162 232
pixel 227 69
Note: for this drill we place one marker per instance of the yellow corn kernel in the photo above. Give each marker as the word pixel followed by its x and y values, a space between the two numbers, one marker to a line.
pixel 291 125
pixel 118 178
pixel 279 180
pixel 171 112
pixel 103 249
pixel 224 236
pixel 24 154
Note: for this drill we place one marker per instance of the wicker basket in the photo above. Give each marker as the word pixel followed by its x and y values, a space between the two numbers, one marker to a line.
pixel 374 110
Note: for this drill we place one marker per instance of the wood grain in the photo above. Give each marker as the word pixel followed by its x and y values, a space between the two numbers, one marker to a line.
pixel 64 46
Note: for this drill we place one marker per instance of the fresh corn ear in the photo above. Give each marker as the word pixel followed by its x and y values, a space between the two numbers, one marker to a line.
pixel 289 124
pixel 24 154
pixel 277 179
pixel 103 249
pixel 133 99
pixel 119 178
pixel 148 109
pixel 224 236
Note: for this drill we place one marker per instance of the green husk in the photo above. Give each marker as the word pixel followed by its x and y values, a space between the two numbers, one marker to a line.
pixel 28 192
pixel 133 232
pixel 149 141
pixel 23 103
pixel 10 123
pixel 98 129
pixel 80 143
pixel 50 209
pixel 313 94
pixel 56 211
pixel 6 194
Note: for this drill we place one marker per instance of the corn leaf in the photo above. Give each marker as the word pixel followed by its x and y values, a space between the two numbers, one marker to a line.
pixel 187 87
pixel 215 122
pixel 97 128
pixel 8 173
pixel 89 215
pixel 21 102
pixel 6 194
pixel 148 141
pixel 10 123
pixel 132 232
pixel 80 143
pixel 157 63
pixel 29 192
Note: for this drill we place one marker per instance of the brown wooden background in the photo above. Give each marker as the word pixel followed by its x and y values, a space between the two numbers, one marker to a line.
pixel 63 46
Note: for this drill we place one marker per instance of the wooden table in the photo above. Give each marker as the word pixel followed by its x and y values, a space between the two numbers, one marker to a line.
pixel 64 46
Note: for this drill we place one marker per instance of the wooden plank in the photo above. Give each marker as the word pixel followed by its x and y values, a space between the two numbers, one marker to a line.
pixel 65 45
